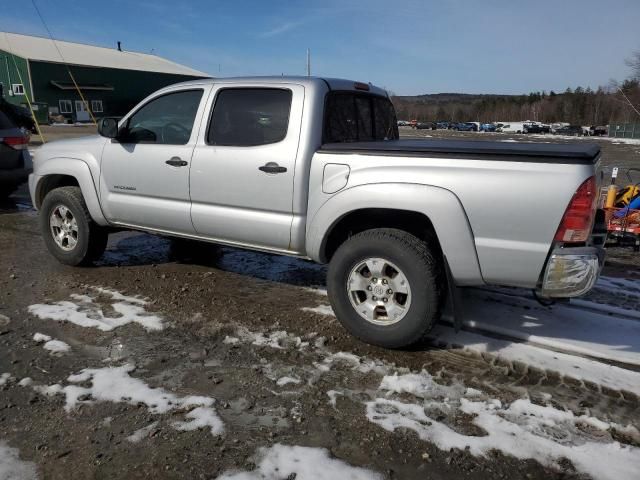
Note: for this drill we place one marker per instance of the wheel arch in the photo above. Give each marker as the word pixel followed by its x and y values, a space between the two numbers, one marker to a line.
pixel 63 172
pixel 430 213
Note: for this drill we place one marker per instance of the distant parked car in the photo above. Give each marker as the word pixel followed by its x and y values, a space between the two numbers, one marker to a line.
pixel 570 130
pixel 557 126
pixel 467 127
pixel 14 156
pixel 535 128
pixel 426 126
pixel 403 123
pixel 598 130
pixel 488 127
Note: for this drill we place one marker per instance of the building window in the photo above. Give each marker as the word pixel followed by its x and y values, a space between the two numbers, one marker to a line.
pixel 96 106
pixel 18 89
pixel 66 106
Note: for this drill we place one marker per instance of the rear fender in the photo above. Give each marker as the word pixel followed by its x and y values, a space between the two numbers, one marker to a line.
pixel 441 206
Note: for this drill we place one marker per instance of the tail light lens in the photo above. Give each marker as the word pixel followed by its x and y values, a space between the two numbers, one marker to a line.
pixel 578 218
pixel 18 143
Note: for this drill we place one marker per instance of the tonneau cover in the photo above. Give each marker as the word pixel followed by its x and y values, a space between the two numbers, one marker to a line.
pixel 535 152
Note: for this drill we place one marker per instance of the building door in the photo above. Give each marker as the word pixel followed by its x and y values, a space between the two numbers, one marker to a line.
pixel 82 115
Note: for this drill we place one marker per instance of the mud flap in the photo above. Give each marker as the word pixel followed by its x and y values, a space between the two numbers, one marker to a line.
pixel 453 295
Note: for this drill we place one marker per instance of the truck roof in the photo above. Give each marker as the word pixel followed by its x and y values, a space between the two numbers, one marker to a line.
pixel 311 82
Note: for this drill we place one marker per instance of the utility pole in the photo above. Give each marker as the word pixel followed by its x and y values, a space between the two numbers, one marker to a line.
pixel 308 62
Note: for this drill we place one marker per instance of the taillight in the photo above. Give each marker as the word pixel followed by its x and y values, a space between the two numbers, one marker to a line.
pixel 578 218
pixel 19 143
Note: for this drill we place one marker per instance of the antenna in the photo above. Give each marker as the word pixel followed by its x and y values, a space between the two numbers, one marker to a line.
pixel 308 62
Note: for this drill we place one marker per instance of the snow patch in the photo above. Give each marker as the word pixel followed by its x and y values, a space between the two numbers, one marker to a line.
pixel 421 385
pixel 201 417
pixel 355 362
pixel 142 433
pixel 25 382
pixel 56 346
pixel 12 468
pixel 522 430
pixel 302 463
pixel 278 340
pixel 41 337
pixel 287 380
pixel 570 366
pixel 321 310
pixel 333 397
pixel 114 384
pixel 86 312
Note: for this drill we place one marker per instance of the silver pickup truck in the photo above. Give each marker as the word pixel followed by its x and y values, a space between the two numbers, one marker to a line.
pixel 314 168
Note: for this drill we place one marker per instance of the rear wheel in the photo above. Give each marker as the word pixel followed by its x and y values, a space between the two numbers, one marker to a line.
pixel 386 287
pixel 69 232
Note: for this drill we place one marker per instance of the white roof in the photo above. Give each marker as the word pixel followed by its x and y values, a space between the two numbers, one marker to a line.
pixel 39 48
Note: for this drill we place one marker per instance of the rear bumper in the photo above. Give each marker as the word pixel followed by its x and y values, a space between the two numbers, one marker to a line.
pixel 571 272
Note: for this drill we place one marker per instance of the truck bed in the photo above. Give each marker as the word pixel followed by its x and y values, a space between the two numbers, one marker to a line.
pixel 573 153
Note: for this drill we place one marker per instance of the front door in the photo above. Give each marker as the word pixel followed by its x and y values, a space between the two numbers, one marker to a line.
pixel 243 167
pixel 82 115
pixel 144 177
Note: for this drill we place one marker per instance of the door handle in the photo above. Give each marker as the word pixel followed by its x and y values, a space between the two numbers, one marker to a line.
pixel 272 167
pixel 176 162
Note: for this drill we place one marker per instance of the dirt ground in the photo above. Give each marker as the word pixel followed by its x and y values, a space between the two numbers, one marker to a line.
pixel 244 332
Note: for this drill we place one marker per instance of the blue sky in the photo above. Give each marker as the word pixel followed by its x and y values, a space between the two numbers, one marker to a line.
pixel 407 46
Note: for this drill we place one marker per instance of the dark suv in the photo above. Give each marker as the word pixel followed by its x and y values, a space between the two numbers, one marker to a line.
pixel 571 130
pixel 14 156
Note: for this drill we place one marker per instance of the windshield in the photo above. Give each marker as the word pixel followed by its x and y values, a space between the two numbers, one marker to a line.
pixel 358 117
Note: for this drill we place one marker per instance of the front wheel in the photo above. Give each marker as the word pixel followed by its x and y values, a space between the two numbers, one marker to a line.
pixel 386 287
pixel 69 232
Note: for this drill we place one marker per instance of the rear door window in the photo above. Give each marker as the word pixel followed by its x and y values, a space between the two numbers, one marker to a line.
pixel 357 117
pixel 249 117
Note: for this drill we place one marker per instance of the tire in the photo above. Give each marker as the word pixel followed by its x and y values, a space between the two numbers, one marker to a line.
pixel 416 262
pixel 91 239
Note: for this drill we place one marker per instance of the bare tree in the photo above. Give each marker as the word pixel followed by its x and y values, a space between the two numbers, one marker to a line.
pixel 634 63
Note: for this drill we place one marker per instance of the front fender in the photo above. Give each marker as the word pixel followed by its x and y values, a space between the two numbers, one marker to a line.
pixel 441 206
pixel 75 168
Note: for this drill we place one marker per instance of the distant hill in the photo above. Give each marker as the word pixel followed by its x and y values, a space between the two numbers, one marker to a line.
pixel 579 106
pixel 439 98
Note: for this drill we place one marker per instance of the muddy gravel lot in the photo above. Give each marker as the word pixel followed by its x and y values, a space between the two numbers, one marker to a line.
pixel 221 363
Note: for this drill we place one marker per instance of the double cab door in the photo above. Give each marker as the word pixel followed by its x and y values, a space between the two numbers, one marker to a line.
pixel 214 162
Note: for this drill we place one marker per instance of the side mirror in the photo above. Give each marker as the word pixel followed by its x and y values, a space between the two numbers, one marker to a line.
pixel 108 127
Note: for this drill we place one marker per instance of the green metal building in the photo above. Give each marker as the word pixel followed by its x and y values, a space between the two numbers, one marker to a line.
pixel 111 80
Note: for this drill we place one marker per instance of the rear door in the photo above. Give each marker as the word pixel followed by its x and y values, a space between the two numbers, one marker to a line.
pixel 144 178
pixel 243 166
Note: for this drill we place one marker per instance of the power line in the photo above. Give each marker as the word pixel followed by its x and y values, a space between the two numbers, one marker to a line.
pixel 86 104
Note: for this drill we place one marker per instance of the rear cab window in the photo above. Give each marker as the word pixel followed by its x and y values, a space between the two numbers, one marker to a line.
pixel 250 117
pixel 358 117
